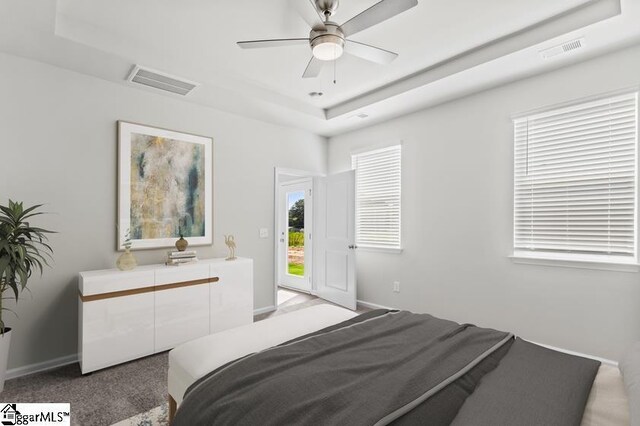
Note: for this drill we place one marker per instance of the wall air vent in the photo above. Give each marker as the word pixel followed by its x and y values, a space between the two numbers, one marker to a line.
pixel 161 81
pixel 563 48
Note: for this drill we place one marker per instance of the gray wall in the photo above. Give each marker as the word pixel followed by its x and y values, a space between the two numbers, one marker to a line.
pixel 457 220
pixel 58 146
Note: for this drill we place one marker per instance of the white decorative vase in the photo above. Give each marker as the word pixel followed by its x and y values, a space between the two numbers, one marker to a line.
pixel 5 341
pixel 126 261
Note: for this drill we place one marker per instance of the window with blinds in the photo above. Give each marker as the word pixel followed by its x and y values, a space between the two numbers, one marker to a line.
pixel 575 181
pixel 378 184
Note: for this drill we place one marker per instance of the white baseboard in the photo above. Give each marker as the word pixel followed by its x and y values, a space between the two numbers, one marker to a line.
pixel 264 310
pixel 41 366
pixel 372 305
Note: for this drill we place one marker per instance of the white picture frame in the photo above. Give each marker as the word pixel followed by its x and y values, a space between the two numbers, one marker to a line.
pixel 133 135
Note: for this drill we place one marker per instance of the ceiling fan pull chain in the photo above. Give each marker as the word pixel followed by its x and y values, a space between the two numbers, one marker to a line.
pixel 335 66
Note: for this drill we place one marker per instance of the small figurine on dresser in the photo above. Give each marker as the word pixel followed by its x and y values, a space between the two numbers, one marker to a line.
pixel 181 244
pixel 231 244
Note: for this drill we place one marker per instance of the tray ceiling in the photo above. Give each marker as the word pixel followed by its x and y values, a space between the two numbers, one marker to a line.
pixel 195 39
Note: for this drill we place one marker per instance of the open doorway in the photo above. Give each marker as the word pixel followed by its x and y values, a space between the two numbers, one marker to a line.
pixel 295 220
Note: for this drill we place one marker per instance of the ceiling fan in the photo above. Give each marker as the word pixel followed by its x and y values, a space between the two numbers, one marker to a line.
pixel 328 40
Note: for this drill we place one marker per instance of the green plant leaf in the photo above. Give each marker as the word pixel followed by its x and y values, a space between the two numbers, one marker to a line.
pixel 29 210
pixel 14 286
pixel 23 247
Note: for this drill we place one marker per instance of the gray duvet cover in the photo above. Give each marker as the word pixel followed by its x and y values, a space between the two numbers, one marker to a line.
pixel 389 367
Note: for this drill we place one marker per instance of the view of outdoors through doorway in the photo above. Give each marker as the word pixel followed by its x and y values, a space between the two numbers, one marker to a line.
pixel 294 210
pixel 295 249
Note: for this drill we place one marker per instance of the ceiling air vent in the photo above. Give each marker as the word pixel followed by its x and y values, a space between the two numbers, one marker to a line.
pixel 563 48
pixel 361 116
pixel 161 81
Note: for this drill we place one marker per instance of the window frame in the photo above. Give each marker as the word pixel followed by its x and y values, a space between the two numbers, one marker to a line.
pixel 368 151
pixel 572 259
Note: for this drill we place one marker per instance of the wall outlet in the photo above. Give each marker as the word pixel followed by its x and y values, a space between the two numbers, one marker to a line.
pixel 264 233
pixel 396 286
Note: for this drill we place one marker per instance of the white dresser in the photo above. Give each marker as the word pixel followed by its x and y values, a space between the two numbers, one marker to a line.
pixel 131 314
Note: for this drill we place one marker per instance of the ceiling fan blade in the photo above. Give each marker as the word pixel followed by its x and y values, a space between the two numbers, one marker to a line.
pixel 309 12
pixel 377 13
pixel 370 53
pixel 277 42
pixel 314 68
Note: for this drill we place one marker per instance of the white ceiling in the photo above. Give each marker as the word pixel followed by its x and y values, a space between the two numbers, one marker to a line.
pixel 491 42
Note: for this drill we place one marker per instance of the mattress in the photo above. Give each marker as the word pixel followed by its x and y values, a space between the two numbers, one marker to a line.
pixel 607 404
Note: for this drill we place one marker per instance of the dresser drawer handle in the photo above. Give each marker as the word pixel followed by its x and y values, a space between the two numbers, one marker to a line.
pixel 124 293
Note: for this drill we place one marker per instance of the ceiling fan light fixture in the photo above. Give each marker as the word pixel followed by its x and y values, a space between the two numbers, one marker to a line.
pixel 327 38
pixel 328 51
pixel 328 47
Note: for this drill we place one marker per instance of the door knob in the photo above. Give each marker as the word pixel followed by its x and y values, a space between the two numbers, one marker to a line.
pixel 353 247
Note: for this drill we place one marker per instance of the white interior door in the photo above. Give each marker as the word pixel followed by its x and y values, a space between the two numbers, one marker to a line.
pixel 294 235
pixel 334 238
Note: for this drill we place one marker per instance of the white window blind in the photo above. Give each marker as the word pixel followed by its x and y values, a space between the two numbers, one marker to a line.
pixel 575 180
pixel 378 185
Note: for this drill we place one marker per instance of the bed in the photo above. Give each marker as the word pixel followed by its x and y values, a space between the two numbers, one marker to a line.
pixel 201 368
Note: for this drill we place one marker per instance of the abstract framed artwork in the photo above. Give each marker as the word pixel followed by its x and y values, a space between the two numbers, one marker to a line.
pixel 164 187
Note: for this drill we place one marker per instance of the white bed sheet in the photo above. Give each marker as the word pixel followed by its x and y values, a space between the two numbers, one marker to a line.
pixel 193 360
pixel 607 405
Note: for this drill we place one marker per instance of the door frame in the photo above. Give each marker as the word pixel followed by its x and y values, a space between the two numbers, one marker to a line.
pixel 279 174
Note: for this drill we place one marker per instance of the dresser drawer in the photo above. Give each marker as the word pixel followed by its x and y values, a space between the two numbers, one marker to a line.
pixel 115 330
pixel 101 283
pixel 181 314
pixel 231 295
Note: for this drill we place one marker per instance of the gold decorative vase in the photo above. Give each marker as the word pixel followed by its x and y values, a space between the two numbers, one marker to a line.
pixel 126 261
pixel 182 244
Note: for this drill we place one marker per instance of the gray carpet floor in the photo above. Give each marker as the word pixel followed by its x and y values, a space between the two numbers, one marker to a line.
pixel 108 396
pixel 101 398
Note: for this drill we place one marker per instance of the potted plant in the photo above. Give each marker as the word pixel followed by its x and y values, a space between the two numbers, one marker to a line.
pixel 23 250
